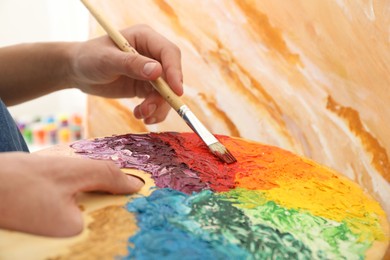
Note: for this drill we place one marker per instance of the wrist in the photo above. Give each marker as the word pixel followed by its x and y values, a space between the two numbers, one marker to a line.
pixel 66 52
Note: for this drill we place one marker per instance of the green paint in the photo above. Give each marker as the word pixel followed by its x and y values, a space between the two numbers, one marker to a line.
pixel 219 217
pixel 164 231
pixel 368 229
pixel 239 224
pixel 319 234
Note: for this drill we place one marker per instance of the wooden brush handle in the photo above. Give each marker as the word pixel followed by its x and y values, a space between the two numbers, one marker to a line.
pixel 159 84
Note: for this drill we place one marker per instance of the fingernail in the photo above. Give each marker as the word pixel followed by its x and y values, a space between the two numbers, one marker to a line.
pixel 149 68
pixel 136 182
pixel 151 109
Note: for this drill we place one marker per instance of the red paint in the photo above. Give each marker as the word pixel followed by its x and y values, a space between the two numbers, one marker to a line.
pixel 191 150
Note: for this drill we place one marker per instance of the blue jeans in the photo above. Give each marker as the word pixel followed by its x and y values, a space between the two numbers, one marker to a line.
pixel 10 137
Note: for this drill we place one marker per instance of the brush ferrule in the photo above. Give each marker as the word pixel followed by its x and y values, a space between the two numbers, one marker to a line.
pixel 197 126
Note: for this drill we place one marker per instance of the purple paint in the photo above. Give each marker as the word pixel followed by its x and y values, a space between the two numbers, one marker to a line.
pixel 147 153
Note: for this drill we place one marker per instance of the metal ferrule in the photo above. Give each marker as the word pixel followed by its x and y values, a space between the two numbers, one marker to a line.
pixel 197 126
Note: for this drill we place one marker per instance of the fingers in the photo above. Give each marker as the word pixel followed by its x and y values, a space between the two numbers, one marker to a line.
pixel 94 175
pixel 38 192
pixel 153 109
pixel 136 66
pixel 124 74
pixel 144 39
pixel 171 60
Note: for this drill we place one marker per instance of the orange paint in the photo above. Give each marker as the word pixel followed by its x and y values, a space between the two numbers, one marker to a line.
pixel 291 181
pixel 380 160
pixel 220 114
pixel 265 32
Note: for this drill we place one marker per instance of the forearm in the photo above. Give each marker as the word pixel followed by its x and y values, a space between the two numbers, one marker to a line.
pixel 28 71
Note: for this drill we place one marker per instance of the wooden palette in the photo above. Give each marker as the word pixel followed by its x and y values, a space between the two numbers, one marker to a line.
pixel 265 191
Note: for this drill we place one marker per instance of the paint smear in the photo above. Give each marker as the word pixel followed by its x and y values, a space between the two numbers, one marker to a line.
pixel 380 159
pixel 211 225
pixel 270 204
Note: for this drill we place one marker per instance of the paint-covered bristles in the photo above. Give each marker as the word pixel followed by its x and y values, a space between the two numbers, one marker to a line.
pixel 222 152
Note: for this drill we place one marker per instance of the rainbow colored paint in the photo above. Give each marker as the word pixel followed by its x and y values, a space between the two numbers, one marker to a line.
pixel 270 204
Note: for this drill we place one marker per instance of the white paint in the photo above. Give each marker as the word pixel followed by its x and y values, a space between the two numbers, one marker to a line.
pixel 369 11
pixel 344 8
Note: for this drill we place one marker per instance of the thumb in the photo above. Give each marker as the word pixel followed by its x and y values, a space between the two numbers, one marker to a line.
pixel 104 176
pixel 134 65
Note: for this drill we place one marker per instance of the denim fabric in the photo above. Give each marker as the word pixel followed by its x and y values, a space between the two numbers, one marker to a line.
pixel 10 137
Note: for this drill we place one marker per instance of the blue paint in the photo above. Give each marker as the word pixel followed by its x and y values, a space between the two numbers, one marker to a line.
pixel 205 225
pixel 163 220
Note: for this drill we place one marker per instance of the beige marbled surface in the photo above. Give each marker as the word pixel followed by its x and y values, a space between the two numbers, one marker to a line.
pixel 312 77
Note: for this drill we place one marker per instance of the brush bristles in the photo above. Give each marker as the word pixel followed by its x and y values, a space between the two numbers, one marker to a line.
pixel 222 152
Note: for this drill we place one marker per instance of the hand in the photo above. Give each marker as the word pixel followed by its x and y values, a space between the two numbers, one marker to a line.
pixel 101 68
pixel 37 193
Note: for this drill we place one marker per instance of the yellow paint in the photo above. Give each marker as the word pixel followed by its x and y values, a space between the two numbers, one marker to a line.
pixel 298 183
pixel 334 199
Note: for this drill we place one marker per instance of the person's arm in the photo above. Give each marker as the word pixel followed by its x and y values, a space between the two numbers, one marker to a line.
pixel 31 70
pixel 38 193
pixel 96 67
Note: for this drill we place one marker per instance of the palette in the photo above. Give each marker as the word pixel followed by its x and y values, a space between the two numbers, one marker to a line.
pixel 270 204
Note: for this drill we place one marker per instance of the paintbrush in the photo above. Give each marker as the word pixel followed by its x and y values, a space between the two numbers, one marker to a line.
pixel 166 92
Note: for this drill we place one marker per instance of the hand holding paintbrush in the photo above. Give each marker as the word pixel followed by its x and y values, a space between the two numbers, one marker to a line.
pixel 166 92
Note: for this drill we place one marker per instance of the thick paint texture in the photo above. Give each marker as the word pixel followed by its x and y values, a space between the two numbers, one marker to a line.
pixel 270 204
pixel 311 77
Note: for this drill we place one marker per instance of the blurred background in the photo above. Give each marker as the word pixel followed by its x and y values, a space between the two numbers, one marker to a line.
pixel 46 20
